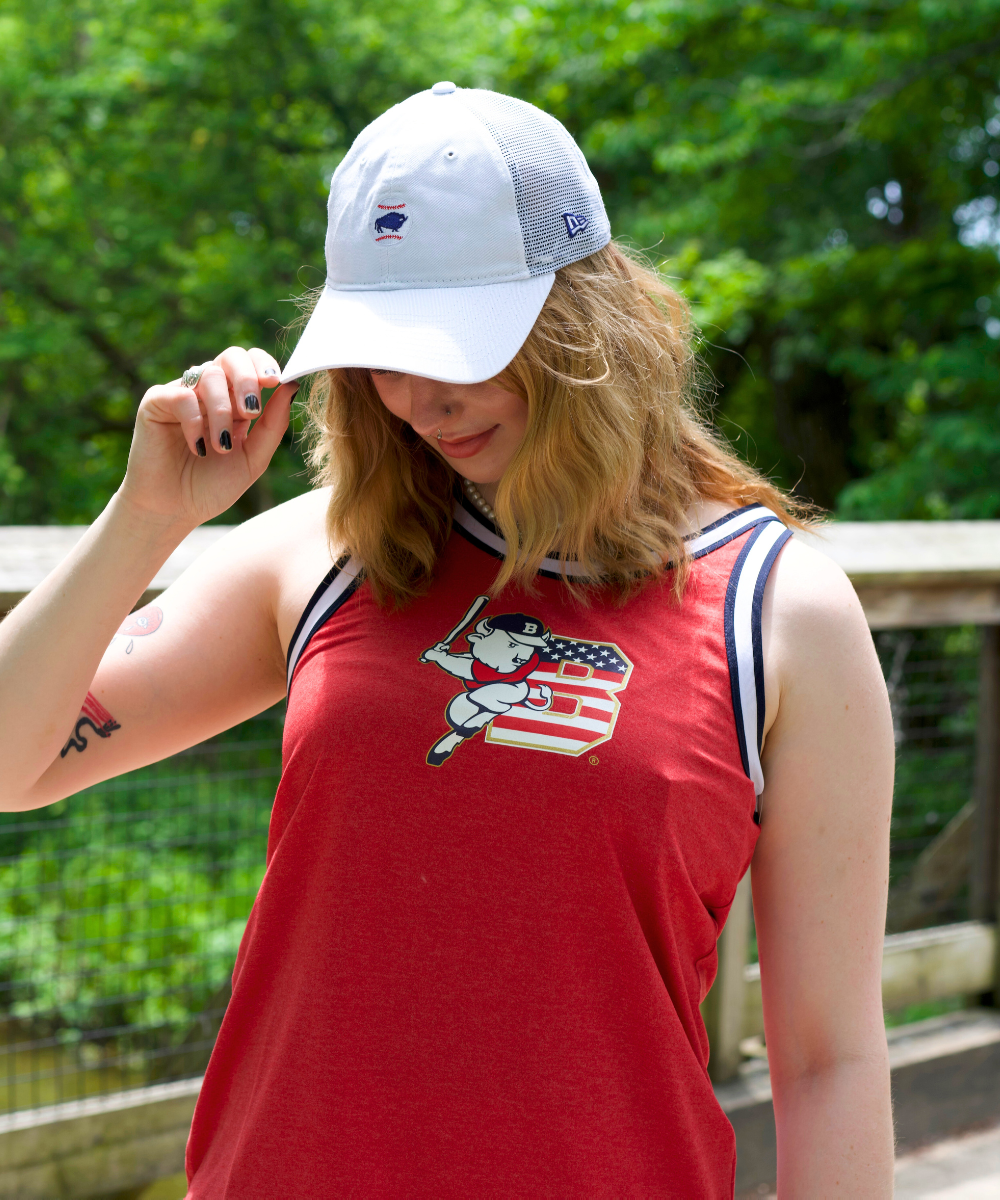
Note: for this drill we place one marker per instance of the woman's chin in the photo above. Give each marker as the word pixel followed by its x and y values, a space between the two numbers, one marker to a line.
pixel 484 470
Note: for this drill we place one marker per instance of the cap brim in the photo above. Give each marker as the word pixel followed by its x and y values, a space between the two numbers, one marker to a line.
pixel 455 334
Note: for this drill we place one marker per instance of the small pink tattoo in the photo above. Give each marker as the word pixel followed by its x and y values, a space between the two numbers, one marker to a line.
pixel 140 623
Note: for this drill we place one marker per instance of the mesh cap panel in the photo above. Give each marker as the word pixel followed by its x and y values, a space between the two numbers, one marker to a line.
pixel 558 201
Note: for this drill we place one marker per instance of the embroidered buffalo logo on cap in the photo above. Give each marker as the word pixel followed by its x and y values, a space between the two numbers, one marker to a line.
pixel 390 223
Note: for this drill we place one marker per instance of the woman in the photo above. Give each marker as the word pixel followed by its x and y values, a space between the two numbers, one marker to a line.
pixel 544 641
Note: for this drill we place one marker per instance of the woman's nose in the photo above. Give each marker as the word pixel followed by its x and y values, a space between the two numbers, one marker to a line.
pixel 430 405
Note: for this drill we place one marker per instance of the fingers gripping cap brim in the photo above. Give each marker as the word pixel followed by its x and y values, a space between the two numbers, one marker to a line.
pixel 455 334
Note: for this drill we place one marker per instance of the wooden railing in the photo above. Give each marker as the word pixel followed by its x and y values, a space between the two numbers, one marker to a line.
pixel 908 574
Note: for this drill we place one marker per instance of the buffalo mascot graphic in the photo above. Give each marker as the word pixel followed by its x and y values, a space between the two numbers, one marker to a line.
pixel 503 655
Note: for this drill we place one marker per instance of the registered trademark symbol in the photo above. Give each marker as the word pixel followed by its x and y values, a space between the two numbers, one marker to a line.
pixel 593 760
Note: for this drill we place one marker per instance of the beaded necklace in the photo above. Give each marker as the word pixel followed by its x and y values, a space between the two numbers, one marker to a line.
pixel 477 498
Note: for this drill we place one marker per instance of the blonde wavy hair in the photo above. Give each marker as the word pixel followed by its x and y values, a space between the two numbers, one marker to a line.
pixel 614 454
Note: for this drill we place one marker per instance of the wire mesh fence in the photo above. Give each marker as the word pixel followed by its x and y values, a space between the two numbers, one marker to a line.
pixel 932 677
pixel 121 909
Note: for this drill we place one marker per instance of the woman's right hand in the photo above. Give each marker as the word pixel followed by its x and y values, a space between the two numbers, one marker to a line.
pixel 194 452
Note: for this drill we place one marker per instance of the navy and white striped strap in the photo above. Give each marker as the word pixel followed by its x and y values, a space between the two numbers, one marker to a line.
pixel 728 527
pixel 341 581
pixel 744 599
pixel 474 527
pixel 483 533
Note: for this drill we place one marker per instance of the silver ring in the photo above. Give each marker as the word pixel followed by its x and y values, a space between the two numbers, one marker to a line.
pixel 191 376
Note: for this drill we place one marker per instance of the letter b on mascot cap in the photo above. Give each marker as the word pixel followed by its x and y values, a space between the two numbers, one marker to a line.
pixel 528 630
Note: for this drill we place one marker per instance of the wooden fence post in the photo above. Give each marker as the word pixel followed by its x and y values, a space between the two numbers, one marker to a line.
pixel 723 1007
pixel 985 890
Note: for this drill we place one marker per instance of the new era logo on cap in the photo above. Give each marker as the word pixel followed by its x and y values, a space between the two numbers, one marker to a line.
pixel 575 223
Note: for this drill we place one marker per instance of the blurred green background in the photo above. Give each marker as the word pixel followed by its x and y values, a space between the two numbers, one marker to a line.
pixel 820 178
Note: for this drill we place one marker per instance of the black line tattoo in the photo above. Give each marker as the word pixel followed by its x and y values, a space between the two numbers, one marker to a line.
pixel 97 717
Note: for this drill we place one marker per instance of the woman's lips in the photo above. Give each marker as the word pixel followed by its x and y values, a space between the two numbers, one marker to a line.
pixel 468 446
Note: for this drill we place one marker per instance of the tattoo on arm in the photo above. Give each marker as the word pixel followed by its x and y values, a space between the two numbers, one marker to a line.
pixel 97 717
pixel 141 623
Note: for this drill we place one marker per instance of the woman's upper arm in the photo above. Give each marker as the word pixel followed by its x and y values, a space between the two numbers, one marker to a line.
pixel 202 657
pixel 820 870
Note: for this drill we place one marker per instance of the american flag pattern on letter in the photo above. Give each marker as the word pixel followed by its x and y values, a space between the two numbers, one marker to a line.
pixel 586 679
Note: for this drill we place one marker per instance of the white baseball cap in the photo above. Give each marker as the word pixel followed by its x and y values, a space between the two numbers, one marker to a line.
pixel 447 221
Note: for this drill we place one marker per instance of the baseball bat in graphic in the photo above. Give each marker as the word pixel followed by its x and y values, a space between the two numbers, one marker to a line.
pixel 475 608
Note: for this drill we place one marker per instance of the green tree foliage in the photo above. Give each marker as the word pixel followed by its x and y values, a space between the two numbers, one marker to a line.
pixel 820 177
pixel 162 183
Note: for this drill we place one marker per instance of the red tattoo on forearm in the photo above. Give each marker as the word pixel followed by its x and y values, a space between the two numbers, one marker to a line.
pixel 97 717
pixel 140 623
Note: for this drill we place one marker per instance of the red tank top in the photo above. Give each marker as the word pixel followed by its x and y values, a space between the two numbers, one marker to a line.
pixel 475 963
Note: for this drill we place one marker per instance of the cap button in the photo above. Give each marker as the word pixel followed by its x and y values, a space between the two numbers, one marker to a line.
pixel 444 88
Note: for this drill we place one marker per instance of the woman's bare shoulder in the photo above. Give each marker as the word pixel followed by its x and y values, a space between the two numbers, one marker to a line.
pixel 809 593
pixel 805 588
pixel 813 627
pixel 285 551
pixel 293 539
pixel 288 536
pixel 811 623
pixel 304 512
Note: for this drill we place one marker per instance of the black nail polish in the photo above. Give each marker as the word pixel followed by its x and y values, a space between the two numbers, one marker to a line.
pixel 225 441
pixel 200 447
pixel 251 403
